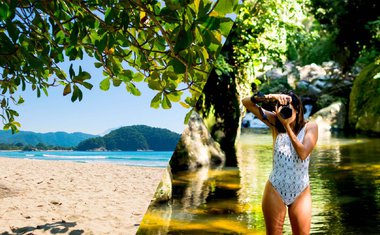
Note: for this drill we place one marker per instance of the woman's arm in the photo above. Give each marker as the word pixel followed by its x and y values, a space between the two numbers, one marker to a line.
pixel 265 116
pixel 309 141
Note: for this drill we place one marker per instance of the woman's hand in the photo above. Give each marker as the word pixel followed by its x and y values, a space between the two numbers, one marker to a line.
pixel 281 98
pixel 284 122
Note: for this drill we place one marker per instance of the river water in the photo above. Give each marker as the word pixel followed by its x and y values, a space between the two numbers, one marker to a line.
pixel 345 185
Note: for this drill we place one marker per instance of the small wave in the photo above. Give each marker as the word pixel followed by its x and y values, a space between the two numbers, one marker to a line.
pixel 139 158
pixel 29 155
pixel 74 157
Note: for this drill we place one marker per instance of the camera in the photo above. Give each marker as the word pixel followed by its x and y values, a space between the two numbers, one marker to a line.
pixel 286 111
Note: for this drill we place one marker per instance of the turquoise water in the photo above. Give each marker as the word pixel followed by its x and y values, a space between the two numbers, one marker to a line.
pixel 149 158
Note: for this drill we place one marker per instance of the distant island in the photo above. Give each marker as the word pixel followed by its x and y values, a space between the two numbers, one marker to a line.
pixel 28 140
pixel 129 138
pixel 133 138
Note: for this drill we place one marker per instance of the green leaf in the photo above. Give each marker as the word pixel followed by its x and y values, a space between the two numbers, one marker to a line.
pixel 210 22
pixel 98 64
pixel 20 100
pixel 155 103
pixel 116 82
pixel 174 96
pixel 84 76
pixel 74 34
pixel 154 84
pixel 4 11
pixel 13 31
pixel 61 75
pixel 138 77
pixel 109 15
pixel 45 91
pixel 75 94
pixel 80 94
pixel 102 43
pixel 177 65
pixel 170 16
pixel 87 85
pixel 3 103
pixel 226 6
pixel 187 117
pixel 105 84
pixel 184 40
pixel 173 4
pixel 183 104
pixel 128 73
pixel 172 75
pixel 166 104
pixel 133 89
pixel 71 71
pixel 204 8
pixel 226 26
pixel 13 113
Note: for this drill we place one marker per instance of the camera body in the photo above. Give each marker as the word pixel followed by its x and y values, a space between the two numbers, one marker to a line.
pixel 286 111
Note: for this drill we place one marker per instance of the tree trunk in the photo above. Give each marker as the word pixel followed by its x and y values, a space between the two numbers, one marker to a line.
pixel 220 103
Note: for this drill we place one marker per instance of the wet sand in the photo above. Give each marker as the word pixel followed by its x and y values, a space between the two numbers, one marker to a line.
pixel 50 197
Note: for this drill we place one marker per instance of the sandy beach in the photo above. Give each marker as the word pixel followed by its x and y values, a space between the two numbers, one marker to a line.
pixel 56 197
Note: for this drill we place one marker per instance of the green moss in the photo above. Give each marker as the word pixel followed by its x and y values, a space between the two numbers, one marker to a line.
pixel 325 100
pixel 364 111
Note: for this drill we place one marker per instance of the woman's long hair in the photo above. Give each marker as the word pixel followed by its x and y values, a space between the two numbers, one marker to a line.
pixel 300 120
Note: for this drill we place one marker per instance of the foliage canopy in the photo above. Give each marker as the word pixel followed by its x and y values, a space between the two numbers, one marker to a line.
pixel 170 45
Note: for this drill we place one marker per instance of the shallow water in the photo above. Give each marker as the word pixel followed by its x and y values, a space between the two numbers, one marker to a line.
pixel 131 158
pixel 345 184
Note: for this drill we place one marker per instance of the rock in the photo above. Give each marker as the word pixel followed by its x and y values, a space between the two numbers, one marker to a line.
pixel 305 88
pixel 311 72
pixel 164 189
pixel 275 73
pixel 196 148
pixel 364 108
pixel 330 118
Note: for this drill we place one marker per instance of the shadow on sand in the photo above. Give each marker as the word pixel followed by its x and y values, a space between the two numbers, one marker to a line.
pixel 53 228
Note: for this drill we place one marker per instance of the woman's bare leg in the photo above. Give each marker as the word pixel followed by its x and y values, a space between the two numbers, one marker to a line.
pixel 300 213
pixel 274 210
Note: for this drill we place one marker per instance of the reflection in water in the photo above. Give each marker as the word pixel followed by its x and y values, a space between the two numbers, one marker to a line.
pixel 344 177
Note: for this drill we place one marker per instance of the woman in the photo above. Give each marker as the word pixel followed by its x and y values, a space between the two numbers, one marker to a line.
pixel 288 184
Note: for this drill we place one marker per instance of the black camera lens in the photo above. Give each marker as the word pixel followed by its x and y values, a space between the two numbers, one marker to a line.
pixel 286 112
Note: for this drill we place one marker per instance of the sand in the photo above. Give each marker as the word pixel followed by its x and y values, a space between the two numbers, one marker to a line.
pixel 56 197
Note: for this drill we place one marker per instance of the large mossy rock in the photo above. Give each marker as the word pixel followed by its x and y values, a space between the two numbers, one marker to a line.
pixel 164 189
pixel 331 118
pixel 364 111
pixel 196 148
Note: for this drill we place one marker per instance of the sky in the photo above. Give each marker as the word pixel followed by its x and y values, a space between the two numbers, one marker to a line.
pixel 98 111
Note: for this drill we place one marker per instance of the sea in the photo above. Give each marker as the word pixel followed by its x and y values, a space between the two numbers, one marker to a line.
pixel 135 158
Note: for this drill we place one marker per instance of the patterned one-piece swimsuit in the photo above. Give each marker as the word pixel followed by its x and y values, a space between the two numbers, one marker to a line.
pixel 290 174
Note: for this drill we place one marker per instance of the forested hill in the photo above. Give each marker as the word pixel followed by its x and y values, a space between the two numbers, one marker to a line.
pixel 52 138
pixel 133 138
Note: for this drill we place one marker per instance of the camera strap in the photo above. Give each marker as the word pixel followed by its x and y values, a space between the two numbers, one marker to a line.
pixel 264 116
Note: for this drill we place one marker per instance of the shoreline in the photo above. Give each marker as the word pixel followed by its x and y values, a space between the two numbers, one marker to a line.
pixel 50 196
pixel 155 159
pixel 84 162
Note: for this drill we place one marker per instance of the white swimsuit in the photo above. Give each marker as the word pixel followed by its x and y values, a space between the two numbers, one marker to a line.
pixel 290 174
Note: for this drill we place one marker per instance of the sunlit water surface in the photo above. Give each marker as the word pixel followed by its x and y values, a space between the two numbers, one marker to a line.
pixel 344 178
